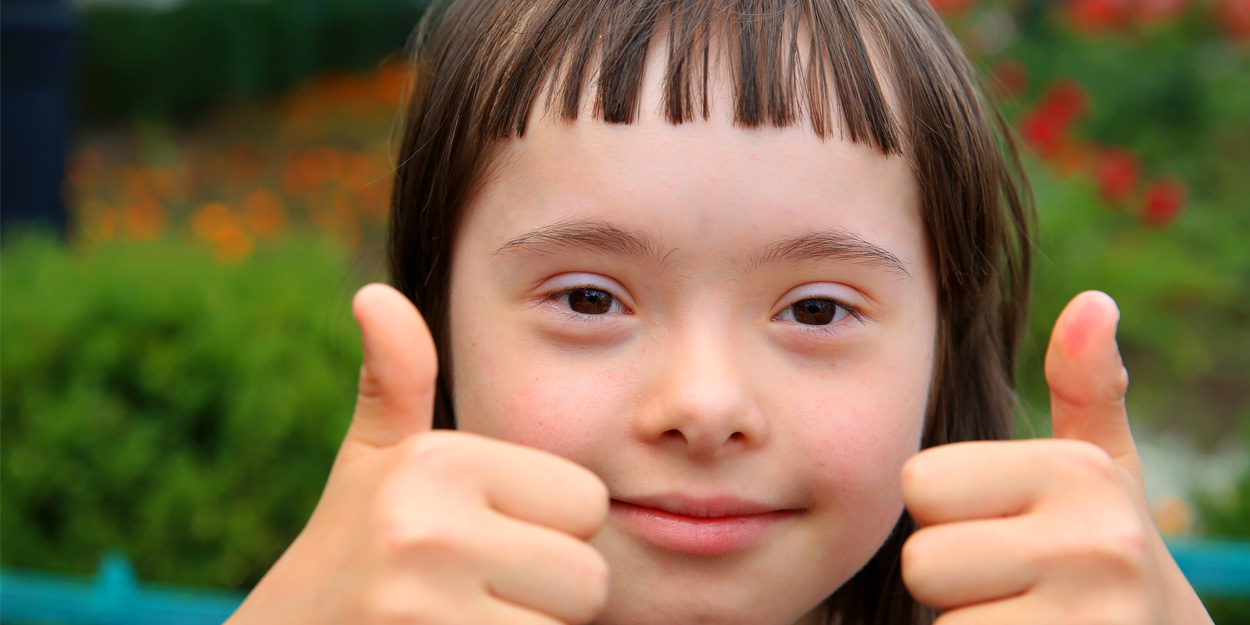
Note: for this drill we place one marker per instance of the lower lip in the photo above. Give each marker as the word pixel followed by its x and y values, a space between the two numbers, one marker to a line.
pixel 699 536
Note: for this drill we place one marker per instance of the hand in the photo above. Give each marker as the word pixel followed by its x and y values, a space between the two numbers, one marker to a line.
pixel 434 527
pixel 1048 531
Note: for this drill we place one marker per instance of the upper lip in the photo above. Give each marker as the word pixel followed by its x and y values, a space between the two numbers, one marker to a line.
pixel 701 506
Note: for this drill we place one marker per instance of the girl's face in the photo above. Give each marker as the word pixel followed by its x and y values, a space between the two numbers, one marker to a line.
pixel 716 321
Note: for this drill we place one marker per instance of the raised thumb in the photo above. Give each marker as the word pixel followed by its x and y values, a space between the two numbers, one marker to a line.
pixel 1087 378
pixel 397 378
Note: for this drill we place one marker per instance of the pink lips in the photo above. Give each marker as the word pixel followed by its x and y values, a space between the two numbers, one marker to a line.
pixel 698 526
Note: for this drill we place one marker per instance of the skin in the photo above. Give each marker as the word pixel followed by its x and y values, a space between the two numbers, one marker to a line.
pixel 669 393
pixel 700 381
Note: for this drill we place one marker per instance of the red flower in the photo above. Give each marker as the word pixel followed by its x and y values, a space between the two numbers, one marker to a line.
pixel 1099 15
pixel 1234 16
pixel 1047 126
pixel 1156 11
pixel 1117 172
pixel 951 7
pixel 1042 133
pixel 1164 200
pixel 1066 101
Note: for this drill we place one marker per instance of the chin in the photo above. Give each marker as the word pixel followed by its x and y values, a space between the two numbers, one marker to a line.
pixel 725 612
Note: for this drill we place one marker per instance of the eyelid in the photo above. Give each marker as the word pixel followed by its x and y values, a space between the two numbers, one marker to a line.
pixel 565 283
pixel 825 291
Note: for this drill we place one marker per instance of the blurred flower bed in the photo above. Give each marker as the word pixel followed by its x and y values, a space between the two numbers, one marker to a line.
pixel 180 389
pixel 318 157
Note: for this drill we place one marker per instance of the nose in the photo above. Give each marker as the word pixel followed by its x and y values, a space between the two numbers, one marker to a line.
pixel 703 402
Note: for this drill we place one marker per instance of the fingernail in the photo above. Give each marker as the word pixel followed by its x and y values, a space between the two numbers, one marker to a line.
pixel 1087 316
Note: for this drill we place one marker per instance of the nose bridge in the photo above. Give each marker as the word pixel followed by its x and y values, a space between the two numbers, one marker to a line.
pixel 705 392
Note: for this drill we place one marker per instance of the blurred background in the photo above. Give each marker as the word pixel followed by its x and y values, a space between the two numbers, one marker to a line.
pixel 193 190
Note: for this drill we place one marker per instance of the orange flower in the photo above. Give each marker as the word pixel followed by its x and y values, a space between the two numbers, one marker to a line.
pixel 210 220
pixel 244 162
pixel 390 85
pixel 145 220
pixel 303 174
pixel 358 172
pixel 231 244
pixel 376 200
pixel 220 227
pixel 264 213
pixel 137 184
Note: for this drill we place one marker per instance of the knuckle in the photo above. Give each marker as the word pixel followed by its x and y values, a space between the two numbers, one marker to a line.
pixel 1119 383
pixel 1119 552
pixel 1126 549
pixel 431 536
pixel 912 475
pixel 438 453
pixel 917 564
pixel 1085 462
pixel 593 572
pixel 593 497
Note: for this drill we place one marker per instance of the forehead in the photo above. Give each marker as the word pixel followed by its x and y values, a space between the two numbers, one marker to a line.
pixel 586 167
pixel 705 184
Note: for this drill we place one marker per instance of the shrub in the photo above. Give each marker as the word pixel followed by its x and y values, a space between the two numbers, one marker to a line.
pixel 158 402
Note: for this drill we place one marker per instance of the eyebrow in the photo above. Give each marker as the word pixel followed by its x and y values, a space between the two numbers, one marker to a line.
pixel 585 234
pixel 604 237
pixel 831 243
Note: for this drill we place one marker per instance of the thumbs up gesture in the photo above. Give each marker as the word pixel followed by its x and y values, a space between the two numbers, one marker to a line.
pixel 1048 531
pixel 434 527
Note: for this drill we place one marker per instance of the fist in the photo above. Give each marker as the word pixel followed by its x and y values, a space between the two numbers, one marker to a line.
pixel 416 526
pixel 1048 531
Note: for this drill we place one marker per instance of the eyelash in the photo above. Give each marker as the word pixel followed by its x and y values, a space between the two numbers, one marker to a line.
pixel 829 329
pixel 555 296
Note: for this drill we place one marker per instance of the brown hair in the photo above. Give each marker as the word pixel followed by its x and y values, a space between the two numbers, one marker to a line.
pixel 481 65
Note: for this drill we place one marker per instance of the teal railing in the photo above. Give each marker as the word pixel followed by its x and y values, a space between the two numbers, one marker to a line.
pixel 115 596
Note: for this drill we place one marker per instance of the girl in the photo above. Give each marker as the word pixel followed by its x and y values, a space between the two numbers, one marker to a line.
pixel 702 277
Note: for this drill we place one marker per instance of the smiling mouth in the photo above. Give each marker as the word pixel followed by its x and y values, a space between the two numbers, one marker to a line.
pixel 714 526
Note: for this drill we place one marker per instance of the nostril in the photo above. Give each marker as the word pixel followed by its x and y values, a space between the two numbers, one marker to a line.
pixel 737 436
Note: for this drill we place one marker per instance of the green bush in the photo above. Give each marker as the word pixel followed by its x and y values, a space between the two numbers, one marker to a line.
pixel 160 403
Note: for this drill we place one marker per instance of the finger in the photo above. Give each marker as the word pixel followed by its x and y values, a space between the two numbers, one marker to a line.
pixel 956 564
pixel 527 484
pixel 1026 609
pixel 545 570
pixel 976 480
pixel 1087 378
pixel 502 611
pixel 397 377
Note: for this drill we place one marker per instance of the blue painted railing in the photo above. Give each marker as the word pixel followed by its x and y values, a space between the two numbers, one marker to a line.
pixel 116 597
pixel 113 597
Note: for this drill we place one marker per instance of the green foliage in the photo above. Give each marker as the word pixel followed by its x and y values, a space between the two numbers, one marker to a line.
pixel 179 62
pixel 160 403
pixel 1176 98
pixel 1184 297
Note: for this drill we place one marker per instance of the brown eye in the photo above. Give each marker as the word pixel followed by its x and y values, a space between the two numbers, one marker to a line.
pixel 814 312
pixel 590 301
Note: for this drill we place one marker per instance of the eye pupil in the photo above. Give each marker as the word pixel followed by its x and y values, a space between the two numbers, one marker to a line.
pixel 816 312
pixel 590 301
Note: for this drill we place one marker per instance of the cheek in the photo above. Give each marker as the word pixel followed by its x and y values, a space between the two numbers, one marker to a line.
pixel 510 390
pixel 856 433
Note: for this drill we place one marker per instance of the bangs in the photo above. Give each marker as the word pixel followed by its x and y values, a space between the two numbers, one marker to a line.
pixel 784 62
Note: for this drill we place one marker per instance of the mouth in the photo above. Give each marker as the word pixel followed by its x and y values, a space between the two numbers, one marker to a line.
pixel 699 526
